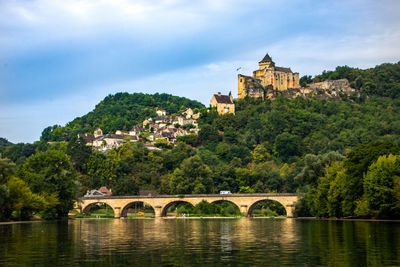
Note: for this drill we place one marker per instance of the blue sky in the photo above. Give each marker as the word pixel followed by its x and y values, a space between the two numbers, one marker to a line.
pixel 59 58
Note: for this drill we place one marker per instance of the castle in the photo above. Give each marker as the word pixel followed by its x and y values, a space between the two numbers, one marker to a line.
pixel 268 76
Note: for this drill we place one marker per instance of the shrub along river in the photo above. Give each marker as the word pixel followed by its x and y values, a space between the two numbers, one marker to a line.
pixel 202 242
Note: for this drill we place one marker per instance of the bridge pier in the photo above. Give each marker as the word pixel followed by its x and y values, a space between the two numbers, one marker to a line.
pixel 290 211
pixel 117 212
pixel 157 211
pixel 244 209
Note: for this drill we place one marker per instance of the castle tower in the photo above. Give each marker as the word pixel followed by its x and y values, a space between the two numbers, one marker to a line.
pixel 268 75
pixel 266 63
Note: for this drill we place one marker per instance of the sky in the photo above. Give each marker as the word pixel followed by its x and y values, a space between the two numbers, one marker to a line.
pixel 58 59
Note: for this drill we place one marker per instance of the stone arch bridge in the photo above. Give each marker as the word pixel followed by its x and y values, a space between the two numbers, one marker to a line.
pixel 161 203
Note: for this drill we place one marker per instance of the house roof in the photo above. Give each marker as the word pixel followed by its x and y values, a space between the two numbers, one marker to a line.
pixel 115 136
pixel 223 99
pixel 162 119
pixel 267 58
pixel 87 137
pixel 137 128
pixel 105 191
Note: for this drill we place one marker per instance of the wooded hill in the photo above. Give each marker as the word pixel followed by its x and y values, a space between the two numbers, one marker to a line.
pixel 119 112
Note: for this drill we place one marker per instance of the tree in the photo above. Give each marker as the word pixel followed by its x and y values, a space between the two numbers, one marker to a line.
pixel 126 186
pixel 306 79
pixel 51 172
pixel 208 135
pixel 315 167
pixel 287 145
pixel 382 187
pixel 192 177
pixel 101 170
pixel 79 152
pixel 356 164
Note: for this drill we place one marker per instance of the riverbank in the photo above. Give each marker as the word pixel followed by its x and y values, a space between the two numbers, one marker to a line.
pixel 210 218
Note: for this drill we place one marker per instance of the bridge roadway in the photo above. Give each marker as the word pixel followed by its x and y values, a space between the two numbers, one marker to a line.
pixel 161 203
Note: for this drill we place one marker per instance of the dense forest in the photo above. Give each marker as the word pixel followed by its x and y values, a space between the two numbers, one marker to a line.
pixel 342 157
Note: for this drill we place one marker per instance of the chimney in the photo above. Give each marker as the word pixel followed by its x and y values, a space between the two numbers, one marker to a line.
pixel 219 93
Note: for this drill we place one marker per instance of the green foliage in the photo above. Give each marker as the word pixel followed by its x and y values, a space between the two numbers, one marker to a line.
pixel 79 153
pixel 51 173
pixel 382 187
pixel 204 208
pixel 7 168
pixel 364 184
pixel 100 169
pixel 356 164
pixel 193 176
pixel 18 153
pixel 315 165
pixel 306 79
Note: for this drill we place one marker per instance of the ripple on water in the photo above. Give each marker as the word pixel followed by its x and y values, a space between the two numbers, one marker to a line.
pixel 258 242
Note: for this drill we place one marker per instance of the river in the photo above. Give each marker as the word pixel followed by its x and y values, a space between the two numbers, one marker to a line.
pixel 200 242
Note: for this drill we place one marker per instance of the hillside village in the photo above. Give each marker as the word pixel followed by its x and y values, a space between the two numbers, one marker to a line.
pixel 162 130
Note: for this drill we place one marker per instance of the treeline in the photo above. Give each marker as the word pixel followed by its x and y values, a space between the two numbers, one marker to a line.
pixel 119 112
pixel 365 183
pixel 283 145
pixel 382 80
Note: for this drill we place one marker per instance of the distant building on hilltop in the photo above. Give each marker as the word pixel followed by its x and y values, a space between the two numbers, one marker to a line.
pixel 224 103
pixel 267 76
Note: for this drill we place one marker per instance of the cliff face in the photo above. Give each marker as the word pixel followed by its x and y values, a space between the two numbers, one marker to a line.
pixel 331 89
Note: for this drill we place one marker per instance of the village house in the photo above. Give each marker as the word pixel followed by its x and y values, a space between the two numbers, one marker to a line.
pixel 98 132
pixel 119 132
pixel 223 103
pixel 161 112
pixel 136 130
pixel 89 138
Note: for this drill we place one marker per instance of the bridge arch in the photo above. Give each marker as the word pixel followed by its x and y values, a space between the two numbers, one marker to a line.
pixel 221 201
pixel 86 209
pixel 170 204
pixel 124 211
pixel 252 206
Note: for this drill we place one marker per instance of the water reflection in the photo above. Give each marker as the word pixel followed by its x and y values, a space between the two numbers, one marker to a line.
pixel 152 242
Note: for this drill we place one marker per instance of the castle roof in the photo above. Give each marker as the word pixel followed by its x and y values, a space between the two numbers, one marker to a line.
pixel 283 69
pixel 223 99
pixel 267 58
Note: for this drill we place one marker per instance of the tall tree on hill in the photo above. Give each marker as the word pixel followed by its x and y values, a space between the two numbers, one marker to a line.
pixel 51 172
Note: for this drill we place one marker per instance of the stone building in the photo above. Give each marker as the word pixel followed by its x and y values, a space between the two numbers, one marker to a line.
pixel 268 76
pixel 224 103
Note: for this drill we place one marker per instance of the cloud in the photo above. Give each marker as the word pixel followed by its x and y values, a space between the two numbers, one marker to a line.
pixel 58 58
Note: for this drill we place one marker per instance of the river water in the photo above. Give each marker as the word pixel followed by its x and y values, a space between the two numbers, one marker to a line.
pixel 201 242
